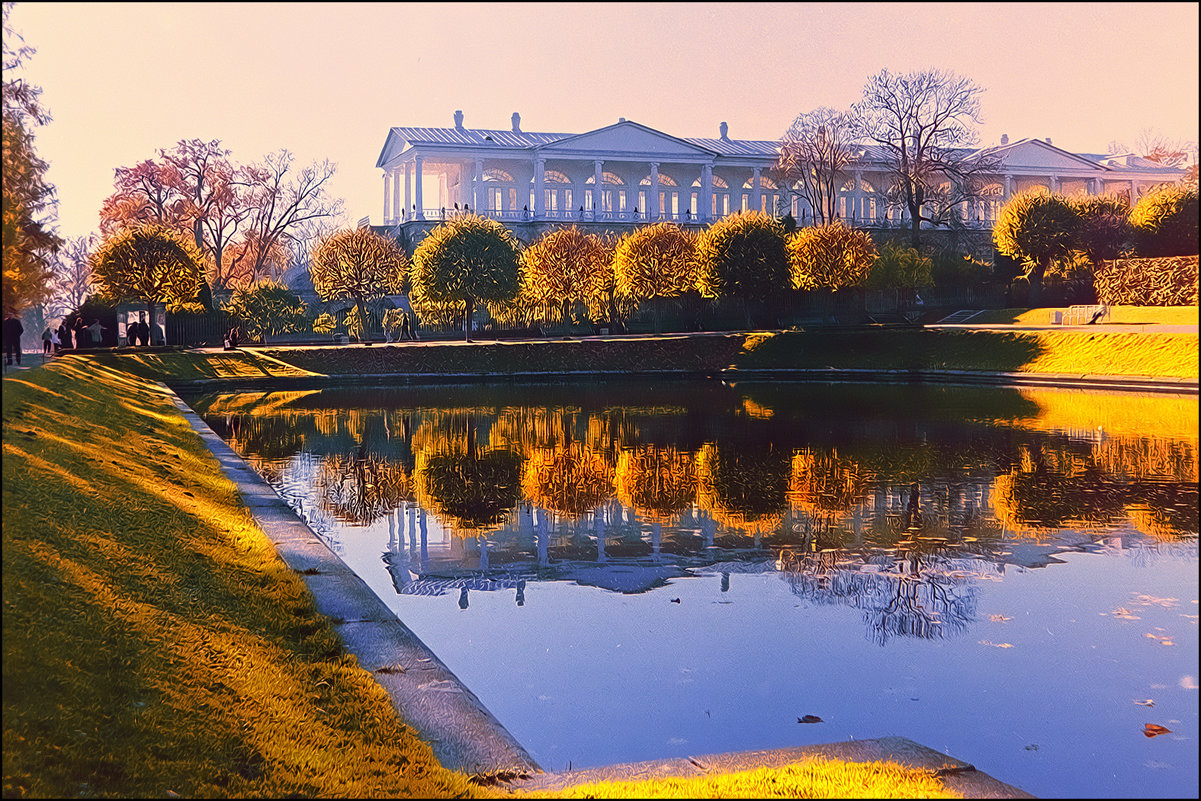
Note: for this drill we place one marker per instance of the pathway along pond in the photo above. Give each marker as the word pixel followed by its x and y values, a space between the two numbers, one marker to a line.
pixel 632 570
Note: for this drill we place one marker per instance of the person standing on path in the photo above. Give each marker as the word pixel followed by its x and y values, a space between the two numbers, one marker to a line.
pixel 56 344
pixel 12 339
pixel 83 339
pixel 64 335
pixel 47 337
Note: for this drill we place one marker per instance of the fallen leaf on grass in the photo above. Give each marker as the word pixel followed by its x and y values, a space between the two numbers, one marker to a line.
pixel 1154 730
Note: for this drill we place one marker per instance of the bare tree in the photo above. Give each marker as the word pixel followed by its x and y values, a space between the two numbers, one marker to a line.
pixel 281 199
pixel 923 123
pixel 813 154
pixel 73 272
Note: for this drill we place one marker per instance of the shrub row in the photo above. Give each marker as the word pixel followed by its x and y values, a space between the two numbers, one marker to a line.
pixel 1166 281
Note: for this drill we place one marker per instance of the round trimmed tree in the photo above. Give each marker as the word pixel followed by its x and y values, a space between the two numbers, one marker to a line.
pixel 1036 227
pixel 567 266
pixel 359 265
pixel 149 263
pixel 468 260
pixel 655 261
pixel 1165 221
pixel 831 256
pixel 745 256
pixel 1103 226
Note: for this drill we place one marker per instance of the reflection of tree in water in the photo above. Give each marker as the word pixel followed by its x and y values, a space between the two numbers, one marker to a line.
pixel 268 438
pixel 468 487
pixel 659 482
pixel 360 488
pixel 1053 489
pixel 568 480
pixel 915 592
pixel 745 487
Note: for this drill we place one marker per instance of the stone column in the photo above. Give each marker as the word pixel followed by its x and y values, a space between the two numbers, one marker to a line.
pixel 417 181
pixel 477 187
pixel 1098 186
pixel 539 188
pixel 1054 182
pixel 598 178
pixel 652 200
pixel 408 193
pixel 386 218
pixel 396 195
pixel 857 195
pixel 756 190
pixel 1008 187
pixel 705 212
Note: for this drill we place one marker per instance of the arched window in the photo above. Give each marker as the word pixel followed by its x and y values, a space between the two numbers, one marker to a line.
pixel 606 178
pixel 498 175
pixel 664 180
pixel 556 177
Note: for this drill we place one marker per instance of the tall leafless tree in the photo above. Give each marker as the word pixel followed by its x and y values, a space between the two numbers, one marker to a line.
pixel 73 273
pixel 924 124
pixel 813 154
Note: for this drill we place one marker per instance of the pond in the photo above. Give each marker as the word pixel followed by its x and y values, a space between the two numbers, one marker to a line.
pixel 631 570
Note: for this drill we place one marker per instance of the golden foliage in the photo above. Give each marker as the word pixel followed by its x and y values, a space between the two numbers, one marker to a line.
pixel 743 488
pixel 151 263
pixel 465 259
pixel 830 256
pixel 566 265
pixel 569 480
pixel 742 255
pixel 357 264
pixel 823 483
pixel 655 261
pixel 360 489
pixel 658 481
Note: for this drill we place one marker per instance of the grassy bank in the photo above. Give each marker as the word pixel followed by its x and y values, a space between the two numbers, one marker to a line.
pixel 1072 352
pixel 154 645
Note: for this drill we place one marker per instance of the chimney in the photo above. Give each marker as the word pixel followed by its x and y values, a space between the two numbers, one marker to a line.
pixel 621 119
pixel 1048 140
pixel 1004 139
pixel 516 122
pixel 724 131
pixel 459 120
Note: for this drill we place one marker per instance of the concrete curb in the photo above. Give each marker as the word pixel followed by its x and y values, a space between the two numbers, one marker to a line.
pixel 464 735
pixel 954 773
pixel 827 374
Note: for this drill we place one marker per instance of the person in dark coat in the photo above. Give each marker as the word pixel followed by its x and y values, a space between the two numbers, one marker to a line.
pixel 83 339
pixel 12 339
pixel 64 335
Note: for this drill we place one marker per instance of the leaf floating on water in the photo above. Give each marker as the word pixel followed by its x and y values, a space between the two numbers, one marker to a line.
pixel 1154 730
pixel 1146 702
pixel 812 719
pixel 1124 614
pixel 999 618
pixel 675 600
pixel 996 644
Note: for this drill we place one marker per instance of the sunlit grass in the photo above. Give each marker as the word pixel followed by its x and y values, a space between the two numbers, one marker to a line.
pixel 1120 315
pixel 815 778
pixel 153 642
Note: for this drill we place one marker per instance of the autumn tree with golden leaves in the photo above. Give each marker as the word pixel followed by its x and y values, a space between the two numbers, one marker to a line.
pixel 565 267
pixel 150 263
pixel 653 262
pixel 357 265
pixel 830 257
pixel 465 261
pixel 743 255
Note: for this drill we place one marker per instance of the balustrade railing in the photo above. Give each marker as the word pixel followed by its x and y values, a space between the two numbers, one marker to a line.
pixel 687 218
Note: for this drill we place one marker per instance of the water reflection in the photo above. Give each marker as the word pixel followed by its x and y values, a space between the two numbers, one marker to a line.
pixel 898 502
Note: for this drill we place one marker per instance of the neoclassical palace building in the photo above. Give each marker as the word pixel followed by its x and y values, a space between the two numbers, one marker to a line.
pixel 628 173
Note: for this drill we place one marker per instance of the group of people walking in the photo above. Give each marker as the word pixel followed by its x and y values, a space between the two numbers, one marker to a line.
pixel 78 334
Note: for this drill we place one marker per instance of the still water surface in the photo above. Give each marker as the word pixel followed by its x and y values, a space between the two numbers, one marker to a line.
pixel 630 571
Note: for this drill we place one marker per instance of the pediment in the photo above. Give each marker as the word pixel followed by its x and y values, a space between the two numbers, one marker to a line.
pixel 393 145
pixel 628 138
pixel 1037 154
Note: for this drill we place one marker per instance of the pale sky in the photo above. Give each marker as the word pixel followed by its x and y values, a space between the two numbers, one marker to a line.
pixel 328 81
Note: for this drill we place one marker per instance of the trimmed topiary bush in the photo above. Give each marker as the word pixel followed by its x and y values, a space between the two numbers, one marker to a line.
pixel 830 257
pixel 1165 221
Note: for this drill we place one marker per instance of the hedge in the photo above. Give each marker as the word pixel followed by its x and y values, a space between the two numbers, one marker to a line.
pixel 1164 281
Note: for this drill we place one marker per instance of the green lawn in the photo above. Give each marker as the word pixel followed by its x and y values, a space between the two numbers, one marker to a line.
pixel 1120 315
